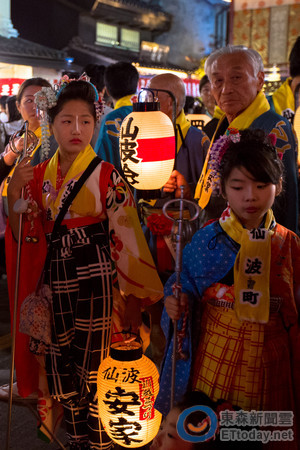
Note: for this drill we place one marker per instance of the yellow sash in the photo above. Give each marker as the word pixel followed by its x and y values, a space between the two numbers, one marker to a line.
pixel 204 186
pixel 251 267
pixel 283 98
pixel 38 134
pixel 124 101
pixel 85 203
pixel 185 125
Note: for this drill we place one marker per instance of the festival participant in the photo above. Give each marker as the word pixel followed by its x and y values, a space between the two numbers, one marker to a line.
pixel 236 74
pixel 283 99
pixel 27 108
pixel 121 80
pixel 98 250
pixel 207 97
pixel 240 291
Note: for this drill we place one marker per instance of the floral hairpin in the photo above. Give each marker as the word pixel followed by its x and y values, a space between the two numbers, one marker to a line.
pixel 217 152
pixel 45 99
pixel 65 80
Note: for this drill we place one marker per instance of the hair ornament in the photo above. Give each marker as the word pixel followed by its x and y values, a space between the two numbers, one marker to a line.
pixel 45 99
pixel 217 152
pixel 273 138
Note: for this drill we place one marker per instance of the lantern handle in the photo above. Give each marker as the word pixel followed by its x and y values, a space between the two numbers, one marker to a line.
pixel 136 336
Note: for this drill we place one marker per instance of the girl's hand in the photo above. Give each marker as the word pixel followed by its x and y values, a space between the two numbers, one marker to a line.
pixel 22 174
pixel 132 316
pixel 174 307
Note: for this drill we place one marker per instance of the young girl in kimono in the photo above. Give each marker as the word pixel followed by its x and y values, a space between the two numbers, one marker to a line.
pixel 100 247
pixel 238 331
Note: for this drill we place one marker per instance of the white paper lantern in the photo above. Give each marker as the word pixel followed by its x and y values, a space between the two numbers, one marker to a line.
pixel 198 120
pixel 127 385
pixel 147 149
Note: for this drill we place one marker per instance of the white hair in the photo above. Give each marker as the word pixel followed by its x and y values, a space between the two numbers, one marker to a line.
pixel 253 57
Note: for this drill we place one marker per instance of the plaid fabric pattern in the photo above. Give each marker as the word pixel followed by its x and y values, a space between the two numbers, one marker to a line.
pixel 242 361
pixel 80 277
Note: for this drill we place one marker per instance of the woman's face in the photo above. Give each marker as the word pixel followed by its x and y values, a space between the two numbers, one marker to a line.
pixel 73 127
pixel 167 438
pixel 27 107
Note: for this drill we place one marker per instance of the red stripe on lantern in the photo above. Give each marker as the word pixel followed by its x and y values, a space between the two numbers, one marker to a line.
pixel 157 149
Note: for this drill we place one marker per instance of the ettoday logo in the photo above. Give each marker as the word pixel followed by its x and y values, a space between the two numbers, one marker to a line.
pixel 205 429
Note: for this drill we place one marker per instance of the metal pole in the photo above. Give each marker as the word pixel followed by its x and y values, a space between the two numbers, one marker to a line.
pixel 177 291
pixel 13 344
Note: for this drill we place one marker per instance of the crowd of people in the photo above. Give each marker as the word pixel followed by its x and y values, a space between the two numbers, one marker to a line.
pixel 95 246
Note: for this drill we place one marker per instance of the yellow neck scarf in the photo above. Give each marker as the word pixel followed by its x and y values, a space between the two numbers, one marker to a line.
pixel 251 267
pixel 283 98
pixel 259 106
pixel 38 134
pixel 218 113
pixel 124 101
pixel 185 125
pixel 84 203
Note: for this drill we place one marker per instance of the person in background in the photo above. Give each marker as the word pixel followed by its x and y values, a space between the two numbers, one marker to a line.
pixel 3 115
pixel 96 74
pixel 121 81
pixel 28 111
pixel 283 99
pixel 207 97
pixel 236 74
pixel 13 124
pixel 238 310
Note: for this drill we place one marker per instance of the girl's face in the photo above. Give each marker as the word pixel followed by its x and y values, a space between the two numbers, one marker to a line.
pixel 167 438
pixel 73 127
pixel 248 198
pixel 27 107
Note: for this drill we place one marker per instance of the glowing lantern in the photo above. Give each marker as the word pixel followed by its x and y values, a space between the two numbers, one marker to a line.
pixel 127 386
pixel 147 148
pixel 198 120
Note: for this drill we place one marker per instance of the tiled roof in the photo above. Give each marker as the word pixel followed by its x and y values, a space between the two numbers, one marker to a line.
pixel 17 51
pixel 99 54
pixel 135 4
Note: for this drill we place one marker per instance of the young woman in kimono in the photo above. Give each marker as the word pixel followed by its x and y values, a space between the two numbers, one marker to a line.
pixel 100 250
pixel 239 304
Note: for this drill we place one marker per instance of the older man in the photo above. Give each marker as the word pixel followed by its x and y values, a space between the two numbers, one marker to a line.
pixel 236 74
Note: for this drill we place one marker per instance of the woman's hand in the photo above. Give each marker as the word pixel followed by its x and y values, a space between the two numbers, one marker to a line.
pixel 22 174
pixel 132 315
pixel 176 307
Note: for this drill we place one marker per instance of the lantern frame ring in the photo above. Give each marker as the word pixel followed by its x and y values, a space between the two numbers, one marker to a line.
pixel 180 201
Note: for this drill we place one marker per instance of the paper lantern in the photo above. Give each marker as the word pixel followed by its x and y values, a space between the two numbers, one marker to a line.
pixel 297 128
pixel 147 149
pixel 198 120
pixel 127 386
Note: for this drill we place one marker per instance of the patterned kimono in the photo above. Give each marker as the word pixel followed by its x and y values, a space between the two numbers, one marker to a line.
pixel 252 365
pixel 100 250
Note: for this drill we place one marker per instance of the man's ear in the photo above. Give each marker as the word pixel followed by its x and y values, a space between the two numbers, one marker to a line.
pixel 278 189
pixel 260 81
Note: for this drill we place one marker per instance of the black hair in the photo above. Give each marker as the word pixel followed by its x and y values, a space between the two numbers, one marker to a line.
pixel 204 80
pixel 3 99
pixel 256 153
pixel 31 82
pixel 96 74
pixel 121 79
pixel 75 90
pixel 294 59
pixel 13 113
